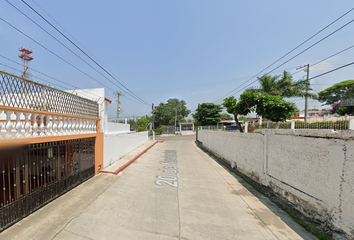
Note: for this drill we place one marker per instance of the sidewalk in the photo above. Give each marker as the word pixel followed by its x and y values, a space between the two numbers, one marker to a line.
pixel 173 191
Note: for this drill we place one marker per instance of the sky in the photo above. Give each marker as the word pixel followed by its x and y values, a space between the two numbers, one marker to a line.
pixel 197 51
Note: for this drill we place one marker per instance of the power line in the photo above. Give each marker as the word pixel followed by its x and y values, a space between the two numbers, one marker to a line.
pixel 299 53
pixel 233 91
pixel 325 73
pixel 36 77
pixel 333 70
pixel 54 53
pixel 195 86
pixel 64 29
pixel 70 34
pixel 326 58
pixel 84 52
pixel 32 75
pixel 64 45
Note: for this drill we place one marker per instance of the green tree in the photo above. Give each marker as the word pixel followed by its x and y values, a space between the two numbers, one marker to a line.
pixel 334 94
pixel 208 114
pixel 337 92
pixel 236 108
pixel 225 116
pixel 274 108
pixel 165 113
pixel 143 124
pixel 282 85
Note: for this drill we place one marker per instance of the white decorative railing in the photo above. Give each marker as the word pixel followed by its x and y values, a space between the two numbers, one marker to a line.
pixel 25 123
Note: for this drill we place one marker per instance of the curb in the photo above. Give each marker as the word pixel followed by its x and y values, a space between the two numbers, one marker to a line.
pixel 131 161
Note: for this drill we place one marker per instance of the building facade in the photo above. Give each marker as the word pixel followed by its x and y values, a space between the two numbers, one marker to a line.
pixel 50 141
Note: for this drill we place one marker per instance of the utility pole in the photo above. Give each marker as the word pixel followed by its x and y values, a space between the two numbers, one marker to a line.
pixel 307 70
pixel 175 121
pixel 196 136
pixel 134 122
pixel 307 90
pixel 153 117
pixel 118 94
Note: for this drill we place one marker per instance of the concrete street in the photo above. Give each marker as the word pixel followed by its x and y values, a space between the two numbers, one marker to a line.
pixel 173 191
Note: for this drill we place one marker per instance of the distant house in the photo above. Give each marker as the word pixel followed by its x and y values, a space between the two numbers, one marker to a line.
pixel 311 113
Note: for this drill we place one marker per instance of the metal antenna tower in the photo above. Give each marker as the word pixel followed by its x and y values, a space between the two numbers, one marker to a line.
pixel 26 57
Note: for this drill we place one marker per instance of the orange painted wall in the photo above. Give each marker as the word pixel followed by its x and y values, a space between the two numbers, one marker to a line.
pixel 98 152
pixel 14 143
pixel 18 142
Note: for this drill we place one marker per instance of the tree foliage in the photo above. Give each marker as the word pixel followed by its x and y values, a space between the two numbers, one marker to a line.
pixel 283 85
pixel 225 116
pixel 334 94
pixel 165 112
pixel 208 114
pixel 142 124
pixel 337 92
pixel 272 107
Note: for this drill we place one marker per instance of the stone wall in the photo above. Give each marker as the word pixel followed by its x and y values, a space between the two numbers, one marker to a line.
pixel 311 170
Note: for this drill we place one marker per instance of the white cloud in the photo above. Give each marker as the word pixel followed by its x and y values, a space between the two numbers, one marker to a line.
pixel 323 66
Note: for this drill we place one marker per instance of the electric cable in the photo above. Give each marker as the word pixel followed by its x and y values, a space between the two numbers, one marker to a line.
pixel 299 53
pixel 326 58
pixel 233 91
pixel 83 51
pixel 54 53
pixel 32 75
pixel 47 76
pixel 65 30
pixel 66 47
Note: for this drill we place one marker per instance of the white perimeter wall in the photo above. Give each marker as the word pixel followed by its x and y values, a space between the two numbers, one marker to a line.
pixel 112 128
pixel 117 146
pixel 312 170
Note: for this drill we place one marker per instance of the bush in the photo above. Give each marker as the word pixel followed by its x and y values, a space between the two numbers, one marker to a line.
pixel 157 132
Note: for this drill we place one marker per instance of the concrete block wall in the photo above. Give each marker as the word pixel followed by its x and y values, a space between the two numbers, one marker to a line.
pixel 113 128
pixel 117 146
pixel 311 170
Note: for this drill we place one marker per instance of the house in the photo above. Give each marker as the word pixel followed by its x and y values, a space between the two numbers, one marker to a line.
pixel 310 113
pixel 51 141
pixel 118 139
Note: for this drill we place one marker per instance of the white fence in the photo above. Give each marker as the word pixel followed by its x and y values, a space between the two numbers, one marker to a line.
pixel 25 124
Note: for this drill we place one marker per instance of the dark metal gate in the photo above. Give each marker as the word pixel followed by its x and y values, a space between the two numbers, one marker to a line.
pixel 168 130
pixel 31 177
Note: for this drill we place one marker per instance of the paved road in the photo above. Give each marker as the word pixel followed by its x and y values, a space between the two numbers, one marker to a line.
pixel 174 191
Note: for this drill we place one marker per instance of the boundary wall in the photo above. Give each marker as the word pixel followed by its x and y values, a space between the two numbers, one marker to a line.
pixel 118 145
pixel 312 170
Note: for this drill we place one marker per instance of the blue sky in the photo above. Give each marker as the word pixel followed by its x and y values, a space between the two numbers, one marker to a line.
pixel 196 50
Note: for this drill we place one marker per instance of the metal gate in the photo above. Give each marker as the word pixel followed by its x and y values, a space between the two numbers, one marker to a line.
pixel 34 175
pixel 168 130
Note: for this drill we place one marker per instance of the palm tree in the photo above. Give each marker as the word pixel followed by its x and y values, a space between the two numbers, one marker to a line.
pixel 282 85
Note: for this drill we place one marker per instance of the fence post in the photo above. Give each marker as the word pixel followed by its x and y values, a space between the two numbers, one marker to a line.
pixel 246 127
pixel 351 124
pixel 292 125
